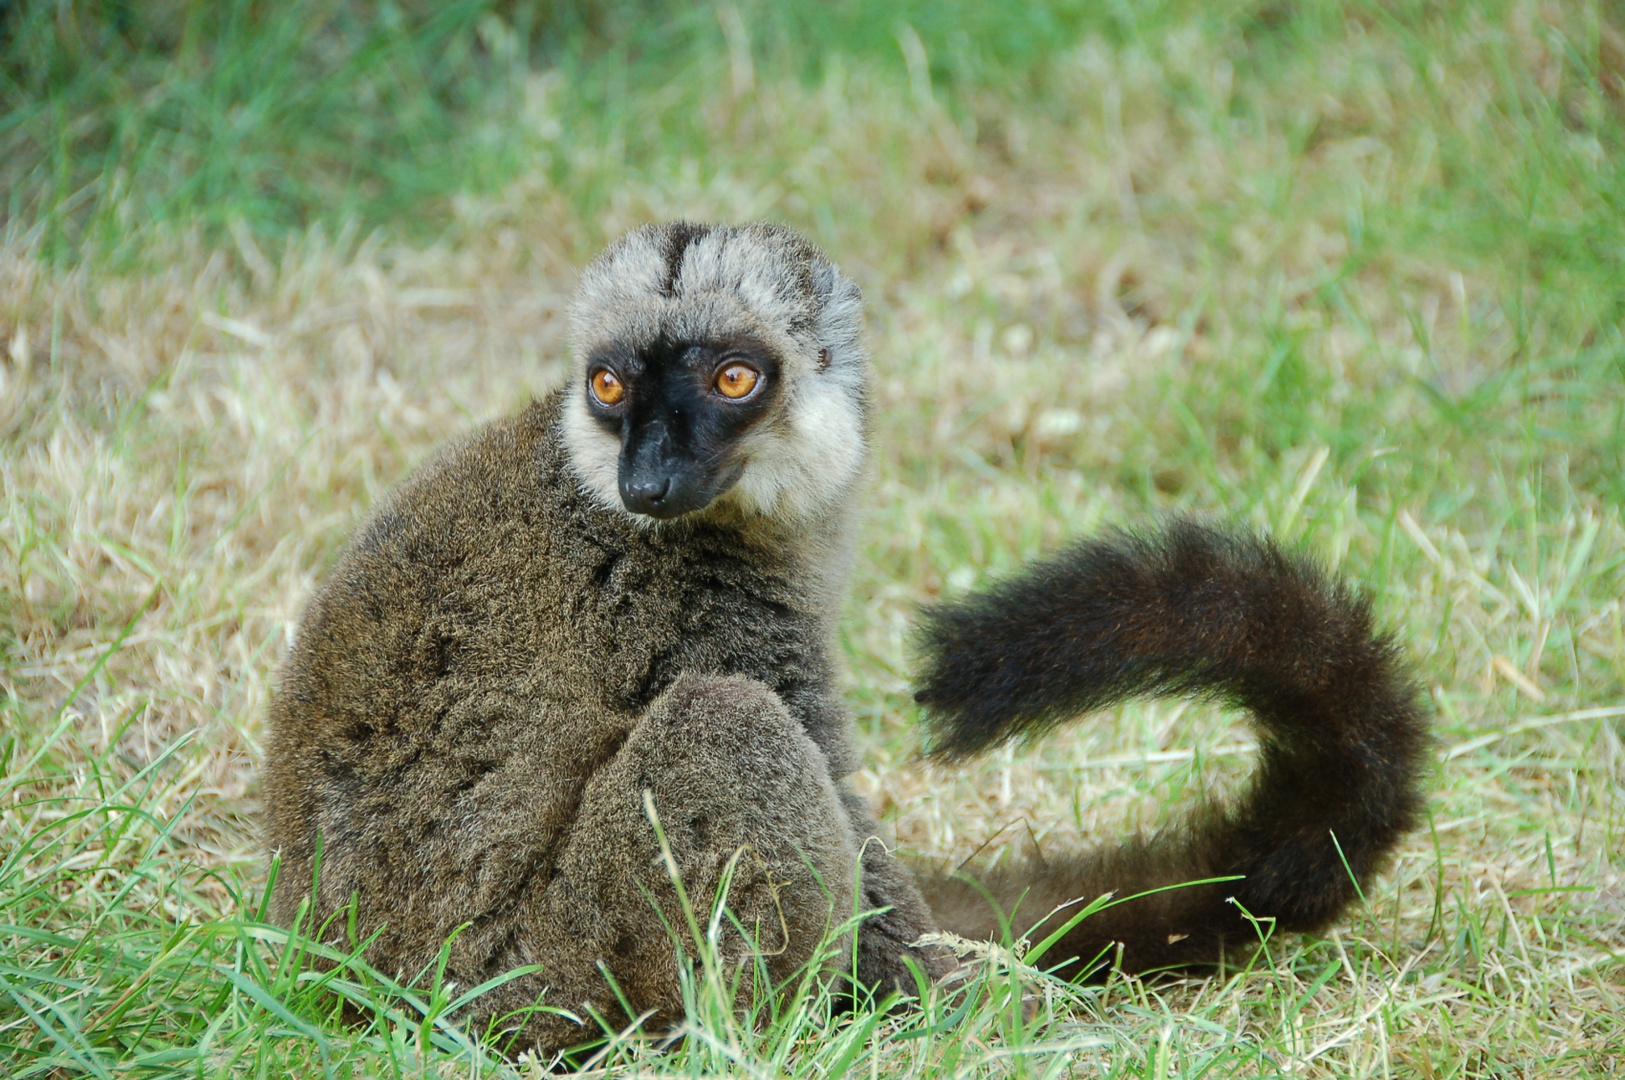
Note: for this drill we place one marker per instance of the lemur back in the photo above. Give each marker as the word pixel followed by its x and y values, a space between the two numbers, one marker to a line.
pixel 487 643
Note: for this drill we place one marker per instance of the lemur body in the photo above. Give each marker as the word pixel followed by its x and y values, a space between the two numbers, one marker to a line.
pixel 629 591
pixel 505 659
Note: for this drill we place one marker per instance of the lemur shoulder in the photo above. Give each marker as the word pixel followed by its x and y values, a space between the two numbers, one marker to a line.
pixel 626 596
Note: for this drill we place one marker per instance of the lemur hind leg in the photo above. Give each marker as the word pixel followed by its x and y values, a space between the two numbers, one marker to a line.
pixel 734 782
pixel 887 956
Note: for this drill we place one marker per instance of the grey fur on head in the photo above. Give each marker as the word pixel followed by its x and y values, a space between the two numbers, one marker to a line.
pixel 711 283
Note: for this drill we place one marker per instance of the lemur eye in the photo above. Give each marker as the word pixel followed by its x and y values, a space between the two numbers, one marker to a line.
pixel 608 389
pixel 737 380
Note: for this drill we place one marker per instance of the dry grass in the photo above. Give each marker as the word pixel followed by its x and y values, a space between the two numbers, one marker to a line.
pixel 1166 285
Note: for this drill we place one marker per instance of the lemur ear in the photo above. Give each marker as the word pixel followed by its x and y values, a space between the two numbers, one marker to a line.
pixel 823 278
pixel 838 320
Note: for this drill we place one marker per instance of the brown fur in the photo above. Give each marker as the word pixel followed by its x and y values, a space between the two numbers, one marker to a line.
pixel 494 672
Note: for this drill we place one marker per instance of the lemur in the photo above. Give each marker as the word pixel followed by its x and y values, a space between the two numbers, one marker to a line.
pixel 618 608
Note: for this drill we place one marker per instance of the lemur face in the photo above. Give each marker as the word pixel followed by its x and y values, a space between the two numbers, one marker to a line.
pixel 680 411
pixel 716 365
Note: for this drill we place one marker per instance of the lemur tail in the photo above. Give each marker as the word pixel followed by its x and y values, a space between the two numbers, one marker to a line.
pixel 1190 610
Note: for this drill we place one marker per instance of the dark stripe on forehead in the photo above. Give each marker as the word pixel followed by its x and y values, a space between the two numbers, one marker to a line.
pixel 679 235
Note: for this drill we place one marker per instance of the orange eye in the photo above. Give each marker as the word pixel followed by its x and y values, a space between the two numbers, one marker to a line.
pixel 737 381
pixel 606 387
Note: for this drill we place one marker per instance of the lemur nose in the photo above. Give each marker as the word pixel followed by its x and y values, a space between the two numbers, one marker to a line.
pixel 643 496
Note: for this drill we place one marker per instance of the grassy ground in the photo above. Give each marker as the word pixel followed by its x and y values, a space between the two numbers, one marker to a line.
pixel 1351 273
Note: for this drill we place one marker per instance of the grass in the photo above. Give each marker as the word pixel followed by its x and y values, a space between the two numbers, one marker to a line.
pixel 1348 272
pixel 121 117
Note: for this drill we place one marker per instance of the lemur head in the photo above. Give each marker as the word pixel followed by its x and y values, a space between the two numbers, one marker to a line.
pixel 716 365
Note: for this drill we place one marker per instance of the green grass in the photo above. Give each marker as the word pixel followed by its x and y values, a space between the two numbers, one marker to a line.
pixel 1351 273
pixel 118 117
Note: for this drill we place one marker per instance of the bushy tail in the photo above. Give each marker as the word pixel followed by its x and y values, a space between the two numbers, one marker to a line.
pixel 1188 611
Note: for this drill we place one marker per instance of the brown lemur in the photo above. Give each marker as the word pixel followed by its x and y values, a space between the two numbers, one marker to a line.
pixel 627 594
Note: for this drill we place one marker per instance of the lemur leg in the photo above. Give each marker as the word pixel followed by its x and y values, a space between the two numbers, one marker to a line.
pixel 734 782
pixel 886 952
